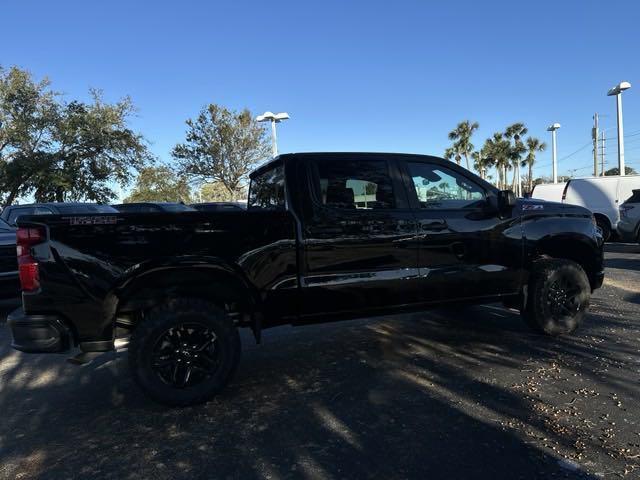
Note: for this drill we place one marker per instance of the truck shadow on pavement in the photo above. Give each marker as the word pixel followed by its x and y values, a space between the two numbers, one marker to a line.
pixel 467 393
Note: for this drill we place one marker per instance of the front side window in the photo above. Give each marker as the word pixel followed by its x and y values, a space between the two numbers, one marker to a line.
pixel 355 184
pixel 438 187
pixel 266 191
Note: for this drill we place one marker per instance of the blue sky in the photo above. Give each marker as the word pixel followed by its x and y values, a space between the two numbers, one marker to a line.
pixel 353 75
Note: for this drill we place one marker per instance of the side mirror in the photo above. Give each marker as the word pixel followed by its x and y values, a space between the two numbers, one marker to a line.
pixel 506 200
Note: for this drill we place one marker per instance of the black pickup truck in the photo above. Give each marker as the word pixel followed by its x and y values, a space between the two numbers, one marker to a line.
pixel 326 236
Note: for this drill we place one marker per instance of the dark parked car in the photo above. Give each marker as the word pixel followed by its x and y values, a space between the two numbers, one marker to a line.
pixel 11 213
pixel 9 284
pixel 219 206
pixel 151 207
pixel 326 236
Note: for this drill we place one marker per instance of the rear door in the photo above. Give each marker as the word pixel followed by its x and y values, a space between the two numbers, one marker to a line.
pixel 358 237
pixel 466 249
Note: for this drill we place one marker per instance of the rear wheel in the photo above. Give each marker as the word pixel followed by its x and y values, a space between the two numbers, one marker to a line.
pixel 559 293
pixel 185 352
pixel 603 225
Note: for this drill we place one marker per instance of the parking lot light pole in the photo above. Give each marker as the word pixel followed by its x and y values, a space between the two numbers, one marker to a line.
pixel 554 159
pixel 617 91
pixel 273 118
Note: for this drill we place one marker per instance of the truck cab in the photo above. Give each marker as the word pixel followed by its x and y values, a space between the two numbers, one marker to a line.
pixel 326 236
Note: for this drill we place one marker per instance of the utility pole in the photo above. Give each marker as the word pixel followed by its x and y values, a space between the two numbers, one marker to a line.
pixel 617 92
pixel 554 155
pixel 594 135
pixel 602 155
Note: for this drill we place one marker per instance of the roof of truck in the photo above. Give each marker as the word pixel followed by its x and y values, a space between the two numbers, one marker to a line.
pixel 301 156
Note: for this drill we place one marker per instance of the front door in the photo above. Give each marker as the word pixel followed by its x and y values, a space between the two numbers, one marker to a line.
pixel 360 253
pixel 467 249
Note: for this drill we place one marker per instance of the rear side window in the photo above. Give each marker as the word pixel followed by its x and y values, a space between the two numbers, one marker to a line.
pixel 15 213
pixel 266 191
pixel 355 184
pixel 137 208
pixel 87 208
pixel 438 187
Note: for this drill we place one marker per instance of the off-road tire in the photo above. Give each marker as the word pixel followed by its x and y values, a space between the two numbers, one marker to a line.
pixel 173 316
pixel 542 312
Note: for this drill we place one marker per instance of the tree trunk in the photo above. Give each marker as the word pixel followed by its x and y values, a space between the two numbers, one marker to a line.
pixel 10 198
pixel 530 177
pixel 466 159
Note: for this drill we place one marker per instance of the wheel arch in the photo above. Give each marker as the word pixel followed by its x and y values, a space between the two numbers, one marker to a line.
pixel 579 249
pixel 210 279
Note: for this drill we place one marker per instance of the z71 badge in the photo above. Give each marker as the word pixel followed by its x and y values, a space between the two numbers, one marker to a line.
pixel 97 220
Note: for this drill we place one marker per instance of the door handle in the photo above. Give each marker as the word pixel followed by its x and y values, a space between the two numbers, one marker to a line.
pixel 435 226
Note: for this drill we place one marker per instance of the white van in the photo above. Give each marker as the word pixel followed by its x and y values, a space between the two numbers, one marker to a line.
pixel 551 192
pixel 603 196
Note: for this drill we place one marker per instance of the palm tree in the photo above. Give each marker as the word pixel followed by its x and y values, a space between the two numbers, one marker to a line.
pixel 497 150
pixel 515 132
pixel 452 153
pixel 482 161
pixel 461 136
pixel 534 145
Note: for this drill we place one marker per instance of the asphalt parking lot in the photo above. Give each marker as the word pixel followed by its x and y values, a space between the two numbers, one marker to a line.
pixel 466 393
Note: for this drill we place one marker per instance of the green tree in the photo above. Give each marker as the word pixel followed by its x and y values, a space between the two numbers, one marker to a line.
pixel 217 192
pixel 159 184
pixel 28 110
pixel 534 146
pixel 482 162
pixel 452 153
pixel 514 133
pixel 59 150
pixel 93 149
pixel 223 146
pixel 461 136
pixel 498 152
pixel 616 171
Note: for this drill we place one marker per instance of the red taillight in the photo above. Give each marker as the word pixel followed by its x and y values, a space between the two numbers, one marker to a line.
pixel 27 265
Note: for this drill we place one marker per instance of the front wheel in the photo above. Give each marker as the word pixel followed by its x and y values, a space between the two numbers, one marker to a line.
pixel 184 352
pixel 559 293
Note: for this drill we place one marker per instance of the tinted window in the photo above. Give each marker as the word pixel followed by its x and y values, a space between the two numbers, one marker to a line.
pixel 176 207
pixel 17 212
pixel 137 208
pixel 635 198
pixel 87 208
pixel 43 211
pixel 357 184
pixel 438 187
pixel 266 191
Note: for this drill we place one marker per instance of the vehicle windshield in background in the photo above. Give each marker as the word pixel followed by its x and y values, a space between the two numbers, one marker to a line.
pixel 635 198
pixel 177 207
pixel 85 208
pixel 219 206
pixel 151 207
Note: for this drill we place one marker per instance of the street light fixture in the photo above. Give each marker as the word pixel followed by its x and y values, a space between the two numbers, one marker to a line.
pixel 554 159
pixel 617 91
pixel 273 118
